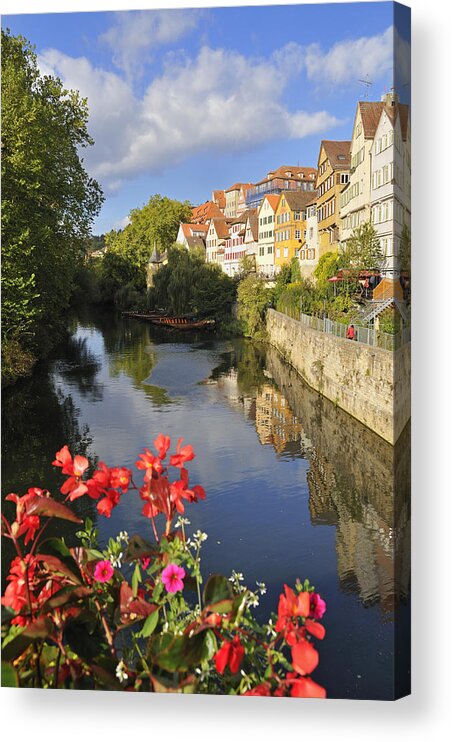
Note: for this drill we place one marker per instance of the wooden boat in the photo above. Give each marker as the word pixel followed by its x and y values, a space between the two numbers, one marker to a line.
pixel 183 323
pixel 173 323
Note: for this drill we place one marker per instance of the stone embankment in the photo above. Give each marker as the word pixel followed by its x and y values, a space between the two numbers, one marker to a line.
pixel 371 384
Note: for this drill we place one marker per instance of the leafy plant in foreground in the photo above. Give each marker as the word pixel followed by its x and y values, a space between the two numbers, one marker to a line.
pixel 135 614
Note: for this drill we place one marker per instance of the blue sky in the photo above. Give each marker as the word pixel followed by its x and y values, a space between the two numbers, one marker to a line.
pixel 185 101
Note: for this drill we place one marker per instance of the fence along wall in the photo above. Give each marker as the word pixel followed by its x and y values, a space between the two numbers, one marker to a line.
pixel 371 384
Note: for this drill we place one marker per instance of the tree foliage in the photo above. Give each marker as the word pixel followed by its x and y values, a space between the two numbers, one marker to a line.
pixel 253 299
pixel 155 223
pixel 405 249
pixel 327 267
pixel 48 199
pixel 189 285
pixel 363 250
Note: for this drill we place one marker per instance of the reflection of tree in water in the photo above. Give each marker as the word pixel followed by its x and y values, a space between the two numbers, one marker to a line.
pixel 248 360
pixel 80 367
pixel 37 420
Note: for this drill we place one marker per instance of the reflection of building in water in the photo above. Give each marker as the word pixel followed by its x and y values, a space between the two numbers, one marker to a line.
pixel 361 485
pixel 229 386
pixel 276 424
pixel 357 482
pixel 372 542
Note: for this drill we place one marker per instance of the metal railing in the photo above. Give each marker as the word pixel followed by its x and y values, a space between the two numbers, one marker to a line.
pixel 366 335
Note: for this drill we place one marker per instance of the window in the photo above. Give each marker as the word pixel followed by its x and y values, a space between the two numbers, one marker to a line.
pixel 296 216
pixel 278 253
pixel 344 178
pixel 286 252
pixel 297 234
pixel 269 249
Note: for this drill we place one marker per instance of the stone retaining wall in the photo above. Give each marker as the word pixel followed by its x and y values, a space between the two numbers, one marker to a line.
pixel 371 384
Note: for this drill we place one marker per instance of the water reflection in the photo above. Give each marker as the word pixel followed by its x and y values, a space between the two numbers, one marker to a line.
pixel 295 486
pixel 357 482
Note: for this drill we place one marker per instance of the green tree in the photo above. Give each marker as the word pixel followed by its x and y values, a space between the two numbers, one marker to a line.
pixel 155 223
pixel 327 267
pixel 253 299
pixel 48 199
pixel 189 285
pixel 405 249
pixel 362 251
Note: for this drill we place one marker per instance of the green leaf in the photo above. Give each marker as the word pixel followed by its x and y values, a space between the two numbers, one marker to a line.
pixel 136 579
pixel 14 646
pixel 150 625
pixel 217 590
pixel 162 684
pixel 181 653
pixel 9 676
pixel 84 636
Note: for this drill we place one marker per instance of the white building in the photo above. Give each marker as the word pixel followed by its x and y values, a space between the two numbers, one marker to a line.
pixel 216 237
pixel 235 248
pixel 390 181
pixel 265 252
pixel 309 252
pixel 251 233
pixel 355 198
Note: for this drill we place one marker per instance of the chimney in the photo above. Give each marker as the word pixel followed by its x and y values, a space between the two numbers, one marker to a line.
pixel 390 99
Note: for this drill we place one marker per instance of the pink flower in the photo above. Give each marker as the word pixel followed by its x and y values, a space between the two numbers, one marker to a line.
pixel 172 578
pixel 317 606
pixel 104 571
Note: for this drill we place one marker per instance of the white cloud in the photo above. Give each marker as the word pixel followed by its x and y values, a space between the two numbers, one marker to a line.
pixel 121 223
pixel 347 61
pixel 135 35
pixel 218 101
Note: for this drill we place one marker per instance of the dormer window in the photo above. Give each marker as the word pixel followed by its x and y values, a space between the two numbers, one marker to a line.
pixel 288 173
pixel 341 157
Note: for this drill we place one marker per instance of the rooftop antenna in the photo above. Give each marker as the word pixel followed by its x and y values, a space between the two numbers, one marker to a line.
pixel 368 84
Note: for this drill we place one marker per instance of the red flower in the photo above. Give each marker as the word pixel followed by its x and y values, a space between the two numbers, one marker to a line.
pixel 75 468
pixel 306 688
pixel 230 653
pixel 182 455
pixel 120 478
pixel 24 523
pixel 162 444
pixel 315 628
pixel 106 505
pixel 304 657
pixel 16 596
pixel 151 464
pixel 291 606
pixel 99 482
pixel 259 690
pixel 63 459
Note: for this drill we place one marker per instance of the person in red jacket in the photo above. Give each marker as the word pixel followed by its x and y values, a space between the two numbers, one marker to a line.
pixel 350 332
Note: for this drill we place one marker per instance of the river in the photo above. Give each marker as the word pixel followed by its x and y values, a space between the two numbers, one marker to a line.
pixel 295 487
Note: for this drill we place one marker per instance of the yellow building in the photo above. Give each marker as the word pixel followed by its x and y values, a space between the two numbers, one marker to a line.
pixel 332 177
pixel 290 225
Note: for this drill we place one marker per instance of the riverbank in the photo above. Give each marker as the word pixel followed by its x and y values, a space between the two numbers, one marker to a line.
pixel 371 384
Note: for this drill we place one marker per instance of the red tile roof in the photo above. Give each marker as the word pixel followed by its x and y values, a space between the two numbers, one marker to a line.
pixel 297 173
pixel 205 212
pixel 219 198
pixel 238 186
pixel 338 153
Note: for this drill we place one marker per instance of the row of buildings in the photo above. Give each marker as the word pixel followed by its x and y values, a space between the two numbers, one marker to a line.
pixel 304 212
